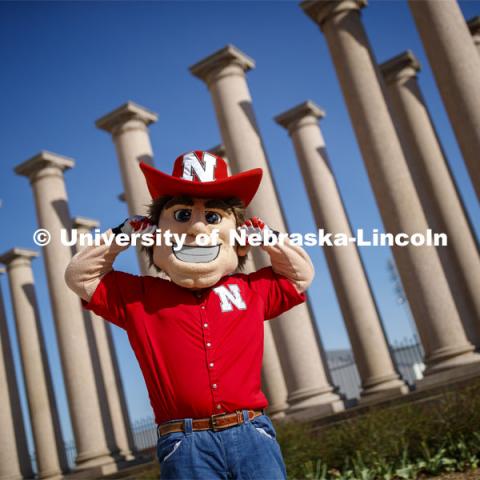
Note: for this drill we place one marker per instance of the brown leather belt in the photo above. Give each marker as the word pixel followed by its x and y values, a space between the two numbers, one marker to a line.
pixel 215 422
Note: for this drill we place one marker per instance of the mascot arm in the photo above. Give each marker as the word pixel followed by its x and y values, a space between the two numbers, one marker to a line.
pixel 287 259
pixel 89 266
pixel 292 262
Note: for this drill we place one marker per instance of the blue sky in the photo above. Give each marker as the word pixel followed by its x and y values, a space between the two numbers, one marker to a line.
pixel 66 64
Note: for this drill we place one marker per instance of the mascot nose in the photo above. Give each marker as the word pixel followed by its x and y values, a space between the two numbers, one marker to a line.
pixel 196 227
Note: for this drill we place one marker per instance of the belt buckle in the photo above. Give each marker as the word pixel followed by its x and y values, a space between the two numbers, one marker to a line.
pixel 215 427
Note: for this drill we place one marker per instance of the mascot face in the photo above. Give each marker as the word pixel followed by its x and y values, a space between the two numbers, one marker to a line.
pixel 198 266
pixel 198 182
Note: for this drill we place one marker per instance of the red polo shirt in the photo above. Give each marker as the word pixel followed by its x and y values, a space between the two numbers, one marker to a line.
pixel 200 352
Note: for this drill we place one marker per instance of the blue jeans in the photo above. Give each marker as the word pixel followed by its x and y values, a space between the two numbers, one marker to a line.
pixel 246 451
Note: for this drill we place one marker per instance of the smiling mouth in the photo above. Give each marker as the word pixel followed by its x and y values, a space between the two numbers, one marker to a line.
pixel 196 254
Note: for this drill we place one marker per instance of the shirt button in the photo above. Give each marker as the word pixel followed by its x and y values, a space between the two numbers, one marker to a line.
pixel 210 365
pixel 219 407
pixel 203 307
pixel 205 325
pixel 209 344
pixel 214 386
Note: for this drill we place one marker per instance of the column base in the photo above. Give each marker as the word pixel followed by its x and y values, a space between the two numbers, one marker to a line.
pixel 56 475
pixel 122 456
pixel 93 472
pixel 128 456
pixel 18 477
pixel 309 397
pixel 89 460
pixel 51 476
pixel 277 416
pixel 444 377
pixel 384 386
pixel 450 358
pixel 313 401
pixel 277 411
pixel 333 405
pixel 101 470
pixel 397 389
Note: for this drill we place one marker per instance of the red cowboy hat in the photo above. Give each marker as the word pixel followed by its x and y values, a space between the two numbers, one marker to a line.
pixel 202 174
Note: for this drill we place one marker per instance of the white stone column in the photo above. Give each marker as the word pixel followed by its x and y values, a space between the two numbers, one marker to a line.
pixel 426 286
pixel 15 461
pixel 128 125
pixel 369 345
pixel 115 417
pixel 45 172
pixel 49 446
pixel 455 63
pixel 273 381
pixel 294 331
pixel 435 187
pixel 474 27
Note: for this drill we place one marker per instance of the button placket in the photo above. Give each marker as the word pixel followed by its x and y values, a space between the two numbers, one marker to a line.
pixel 210 346
pixel 209 354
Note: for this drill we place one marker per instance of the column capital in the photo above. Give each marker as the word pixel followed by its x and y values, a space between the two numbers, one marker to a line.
pixel 474 25
pixel 221 151
pixel 17 256
pixel 123 114
pixel 43 160
pixel 218 150
pixel 84 223
pixel 404 65
pixel 322 10
pixel 225 57
pixel 305 113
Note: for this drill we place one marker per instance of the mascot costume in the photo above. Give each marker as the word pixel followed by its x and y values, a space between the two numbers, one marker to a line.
pixel 197 329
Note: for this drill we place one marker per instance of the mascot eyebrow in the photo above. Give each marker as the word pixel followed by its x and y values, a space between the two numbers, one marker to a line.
pixel 179 200
pixel 216 203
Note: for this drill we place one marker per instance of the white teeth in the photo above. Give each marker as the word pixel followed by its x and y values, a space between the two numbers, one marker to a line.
pixel 195 254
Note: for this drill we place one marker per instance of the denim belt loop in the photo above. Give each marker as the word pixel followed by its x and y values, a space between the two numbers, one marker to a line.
pixel 245 416
pixel 187 426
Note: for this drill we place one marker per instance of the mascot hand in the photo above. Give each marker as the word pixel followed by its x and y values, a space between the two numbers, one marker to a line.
pixel 136 224
pixel 258 227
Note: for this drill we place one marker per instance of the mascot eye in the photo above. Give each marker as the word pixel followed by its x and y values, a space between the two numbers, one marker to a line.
pixel 183 215
pixel 213 217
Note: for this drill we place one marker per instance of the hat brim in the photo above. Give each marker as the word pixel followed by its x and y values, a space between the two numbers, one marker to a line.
pixel 243 185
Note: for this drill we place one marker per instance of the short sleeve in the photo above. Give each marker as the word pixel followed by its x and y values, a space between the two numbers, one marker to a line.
pixel 277 292
pixel 113 293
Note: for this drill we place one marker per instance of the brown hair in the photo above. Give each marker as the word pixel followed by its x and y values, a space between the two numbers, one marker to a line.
pixel 233 205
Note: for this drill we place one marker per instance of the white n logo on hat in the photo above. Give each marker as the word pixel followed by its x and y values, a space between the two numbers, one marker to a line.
pixel 229 297
pixel 203 169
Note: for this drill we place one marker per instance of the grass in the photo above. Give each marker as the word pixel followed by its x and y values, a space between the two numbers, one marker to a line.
pixel 402 442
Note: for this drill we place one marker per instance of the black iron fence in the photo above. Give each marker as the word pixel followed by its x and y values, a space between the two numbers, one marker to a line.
pixel 344 373
pixel 408 355
pixel 144 433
